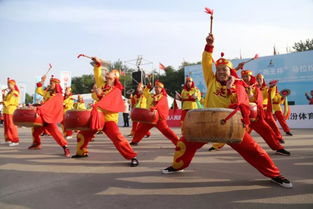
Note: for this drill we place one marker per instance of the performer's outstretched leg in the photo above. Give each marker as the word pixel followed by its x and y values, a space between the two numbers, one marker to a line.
pixel 141 131
pixel 120 142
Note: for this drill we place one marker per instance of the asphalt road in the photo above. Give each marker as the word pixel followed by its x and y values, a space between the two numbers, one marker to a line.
pixel 44 179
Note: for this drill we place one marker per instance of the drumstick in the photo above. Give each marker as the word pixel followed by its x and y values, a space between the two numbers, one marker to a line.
pixel 50 66
pixel 83 55
pixel 210 12
pixel 256 56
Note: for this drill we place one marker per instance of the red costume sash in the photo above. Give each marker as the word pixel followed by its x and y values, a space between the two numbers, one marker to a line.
pixel 111 102
pixel 162 107
pixel 52 110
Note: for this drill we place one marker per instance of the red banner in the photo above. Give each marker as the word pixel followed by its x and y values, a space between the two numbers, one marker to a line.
pixel 173 119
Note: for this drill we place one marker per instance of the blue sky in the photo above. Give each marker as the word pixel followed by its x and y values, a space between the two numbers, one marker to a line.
pixel 37 32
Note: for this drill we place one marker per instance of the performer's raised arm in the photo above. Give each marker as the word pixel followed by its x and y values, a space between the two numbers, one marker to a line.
pixel 207 59
pixel 97 72
pixel 39 89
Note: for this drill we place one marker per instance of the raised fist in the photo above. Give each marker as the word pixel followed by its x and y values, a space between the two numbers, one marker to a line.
pixel 210 39
pixel 97 60
pixel 43 78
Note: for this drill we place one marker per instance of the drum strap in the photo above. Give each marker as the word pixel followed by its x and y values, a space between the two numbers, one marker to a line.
pixel 231 114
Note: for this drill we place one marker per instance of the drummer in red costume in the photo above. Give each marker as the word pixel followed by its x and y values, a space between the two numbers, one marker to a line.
pixel 224 91
pixel 259 124
pixel 268 106
pixel 10 103
pixel 110 102
pixel 157 101
pixel 277 100
pixel 139 100
pixel 190 97
pixel 51 112
pixel 68 104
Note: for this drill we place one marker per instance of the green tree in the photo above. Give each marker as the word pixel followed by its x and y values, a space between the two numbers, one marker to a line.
pixel 82 84
pixel 28 99
pixel 118 65
pixel 173 80
pixel 303 45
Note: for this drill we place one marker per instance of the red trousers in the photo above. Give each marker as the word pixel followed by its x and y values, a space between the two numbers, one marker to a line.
pixel 269 118
pixel 10 130
pixel 266 132
pixel 143 129
pixel 112 131
pixel 53 130
pixel 45 131
pixel 66 132
pixel 134 129
pixel 282 121
pixel 248 149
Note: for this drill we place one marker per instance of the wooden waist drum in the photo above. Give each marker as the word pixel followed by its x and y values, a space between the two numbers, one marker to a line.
pixel 27 117
pixel 143 115
pixel 205 125
pixel 80 119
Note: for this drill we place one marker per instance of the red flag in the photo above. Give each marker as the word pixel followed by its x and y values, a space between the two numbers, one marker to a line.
pixel 209 11
pixel 162 67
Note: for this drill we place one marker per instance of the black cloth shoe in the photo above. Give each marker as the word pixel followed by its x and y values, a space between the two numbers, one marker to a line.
pixel 281 141
pixel 289 134
pixel 79 156
pixel 211 149
pixel 283 152
pixel 133 143
pixel 282 181
pixel 170 170
pixel 134 162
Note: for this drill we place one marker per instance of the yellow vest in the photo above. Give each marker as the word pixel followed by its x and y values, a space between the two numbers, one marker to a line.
pixel 265 95
pixel 79 106
pixel 277 100
pixel 142 100
pixel 68 103
pixel 189 105
pixel 10 102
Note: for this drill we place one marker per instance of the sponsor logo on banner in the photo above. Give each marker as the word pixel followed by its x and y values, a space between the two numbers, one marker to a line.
pixel 301 116
pixel 173 119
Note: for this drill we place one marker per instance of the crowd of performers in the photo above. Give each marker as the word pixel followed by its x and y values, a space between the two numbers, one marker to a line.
pixel 224 90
